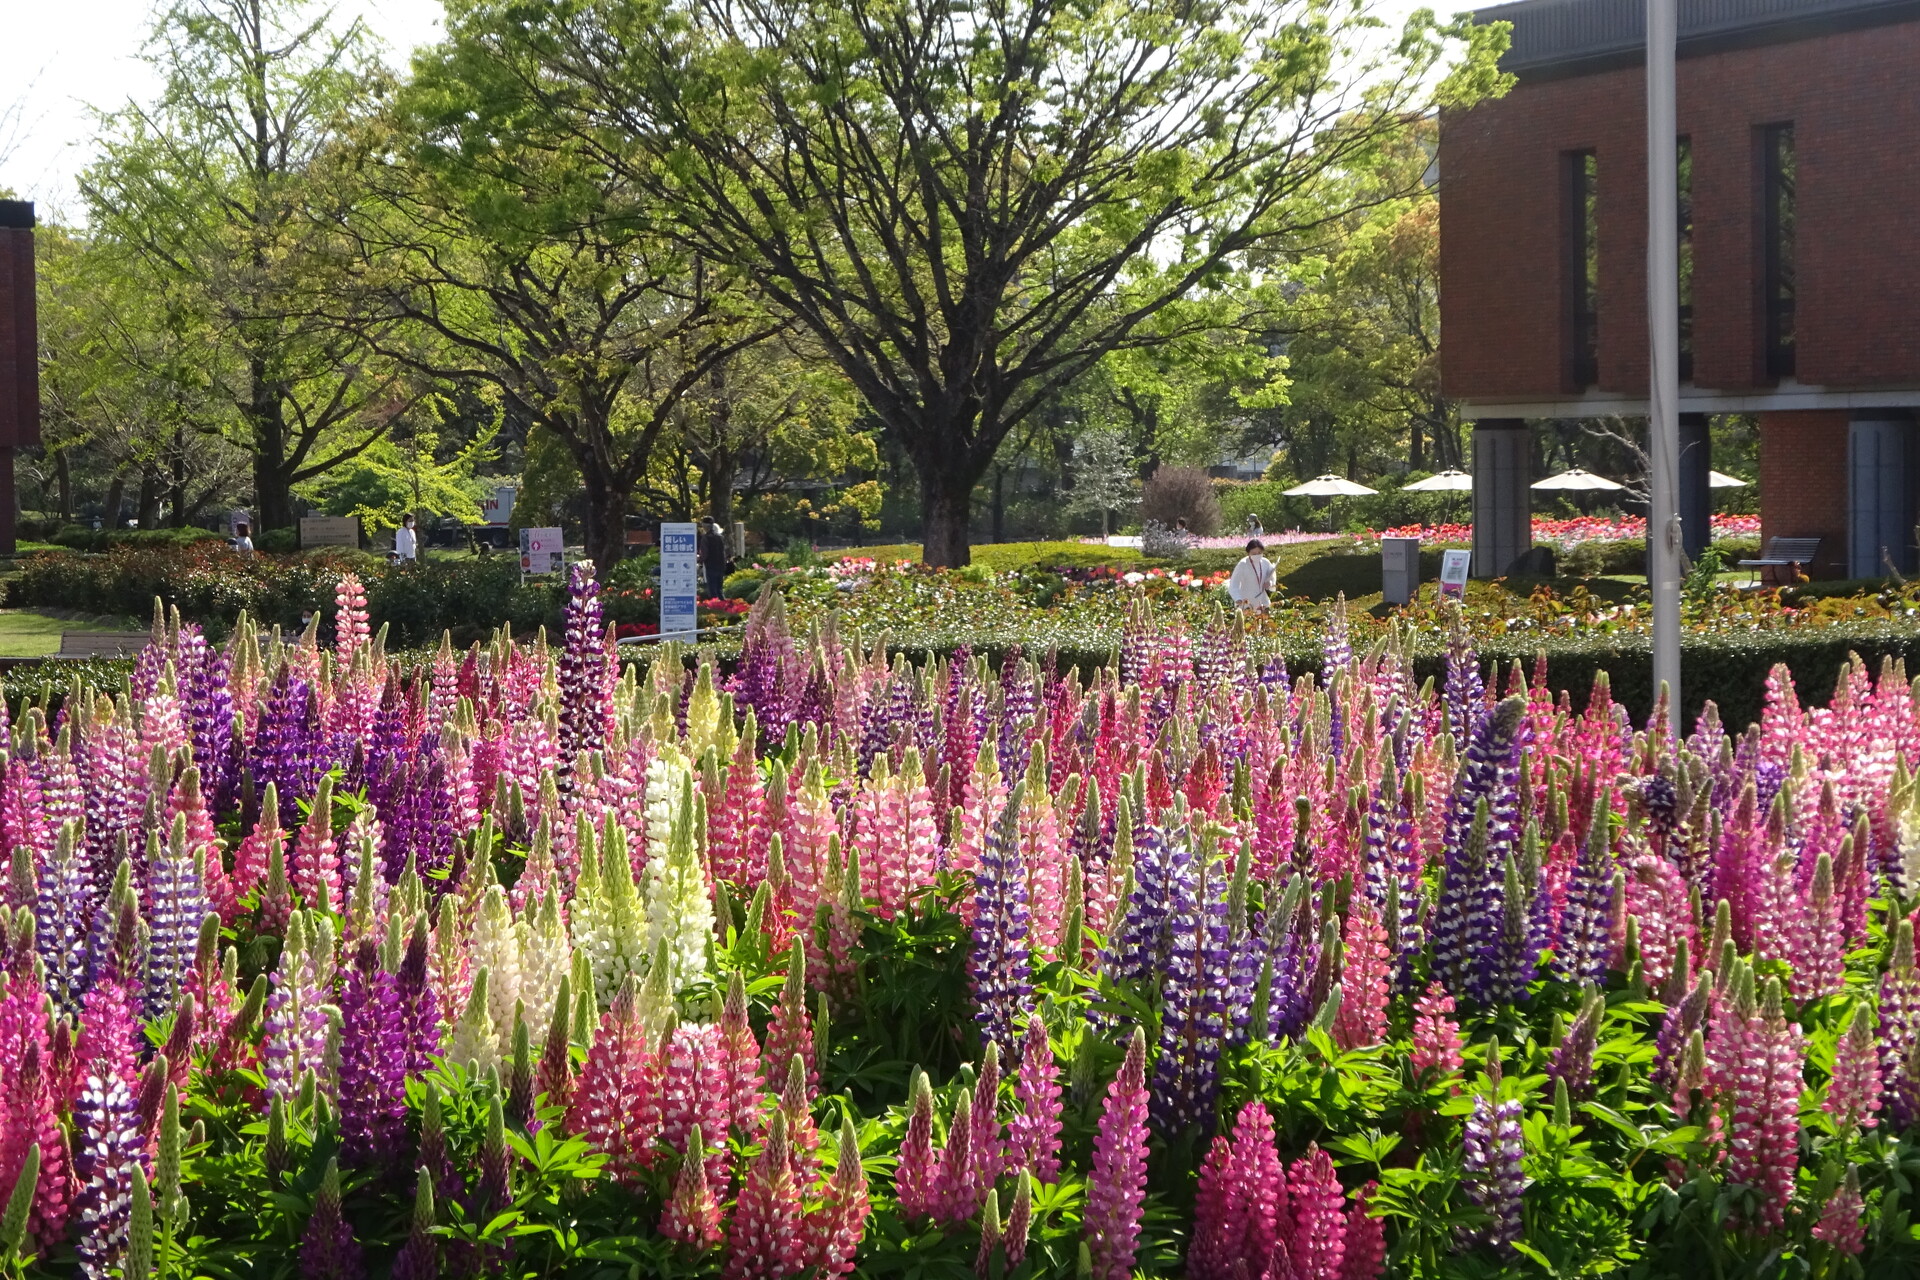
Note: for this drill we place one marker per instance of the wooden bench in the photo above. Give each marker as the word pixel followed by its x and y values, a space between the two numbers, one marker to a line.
pixel 1782 554
pixel 102 644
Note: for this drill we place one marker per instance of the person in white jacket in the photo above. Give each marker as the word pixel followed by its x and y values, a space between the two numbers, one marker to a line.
pixel 1251 582
pixel 406 543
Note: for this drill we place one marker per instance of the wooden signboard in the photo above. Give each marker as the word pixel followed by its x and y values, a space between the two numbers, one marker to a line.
pixel 329 531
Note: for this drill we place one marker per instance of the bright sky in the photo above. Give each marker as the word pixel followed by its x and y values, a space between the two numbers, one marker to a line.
pixel 60 59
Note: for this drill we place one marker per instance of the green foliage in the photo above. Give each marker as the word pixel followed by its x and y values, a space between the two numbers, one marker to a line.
pixel 81 538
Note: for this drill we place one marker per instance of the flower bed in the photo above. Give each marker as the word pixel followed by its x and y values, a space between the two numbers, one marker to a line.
pixel 1206 971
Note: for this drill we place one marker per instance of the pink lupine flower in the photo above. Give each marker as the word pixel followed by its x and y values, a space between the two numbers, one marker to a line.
pixel 616 1106
pixel 315 873
pixel 1362 1018
pixel 1854 1095
pixel 835 1229
pixel 1820 963
pixel 1763 1146
pixel 1033 1135
pixel 1117 1182
pixel 1843 1220
pixel 765 1240
pixel 958 1197
pixel 692 1215
pixel 989 1141
pixel 1436 1036
pixel 915 1187
pixel 790 1033
pixel 746 1083
pixel 694 1095
pixel 803 1137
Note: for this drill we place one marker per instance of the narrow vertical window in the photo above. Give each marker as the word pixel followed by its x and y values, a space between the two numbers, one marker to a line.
pixel 1777 273
pixel 1684 186
pixel 1582 269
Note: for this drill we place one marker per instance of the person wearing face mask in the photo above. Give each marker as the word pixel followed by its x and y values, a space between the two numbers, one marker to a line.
pixel 1251 582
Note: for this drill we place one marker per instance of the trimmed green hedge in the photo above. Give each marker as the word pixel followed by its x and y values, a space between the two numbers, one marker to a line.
pixel 80 538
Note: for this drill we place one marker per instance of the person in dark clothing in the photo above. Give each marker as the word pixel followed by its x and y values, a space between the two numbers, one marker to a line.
pixel 713 558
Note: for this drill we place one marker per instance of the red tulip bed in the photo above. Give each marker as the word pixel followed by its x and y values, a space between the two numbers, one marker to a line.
pixel 522 963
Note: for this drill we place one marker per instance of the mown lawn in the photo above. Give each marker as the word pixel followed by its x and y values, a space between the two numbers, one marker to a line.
pixel 32 633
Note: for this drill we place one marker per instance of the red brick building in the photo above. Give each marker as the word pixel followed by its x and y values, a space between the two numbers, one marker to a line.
pixel 19 354
pixel 1799 129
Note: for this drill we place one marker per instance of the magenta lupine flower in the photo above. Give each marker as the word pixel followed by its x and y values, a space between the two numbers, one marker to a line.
pixel 1033 1135
pixel 791 1030
pixel 109 1146
pixel 1854 1095
pixel 1214 1214
pixel 1366 1239
pixel 916 1188
pixel 1491 1172
pixel 957 1197
pixel 1117 1182
pixel 1843 1220
pixel 1763 1147
pixel 835 1229
pixel 1318 1244
pixel 1242 1209
pixel 616 1106
pixel 373 1062
pixel 989 1137
pixel 765 1240
pixel 585 687
pixel 328 1250
pixel 109 1032
pixel 1362 1017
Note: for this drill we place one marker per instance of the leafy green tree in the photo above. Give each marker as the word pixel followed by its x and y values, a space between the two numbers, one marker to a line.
pixel 969 206
pixel 219 189
pixel 422 467
pixel 508 258
pixel 1105 479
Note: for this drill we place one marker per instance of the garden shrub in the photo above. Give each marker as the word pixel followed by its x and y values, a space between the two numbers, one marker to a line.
pixel 1181 493
pixel 81 538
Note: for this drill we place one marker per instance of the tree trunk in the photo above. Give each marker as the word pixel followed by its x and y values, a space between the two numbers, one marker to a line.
pixel 272 488
pixel 116 494
pixel 946 512
pixel 63 479
pixel 1416 454
pixel 177 498
pixel 606 533
pixel 721 465
pixel 149 514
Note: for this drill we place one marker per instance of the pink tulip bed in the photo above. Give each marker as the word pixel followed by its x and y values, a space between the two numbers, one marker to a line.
pixel 522 962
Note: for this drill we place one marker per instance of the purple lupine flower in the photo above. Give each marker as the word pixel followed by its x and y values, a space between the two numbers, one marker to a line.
pixel 1336 648
pixel 889 707
pixel 1273 674
pixel 373 1062
pixel 1585 937
pixel 584 685
pixel 176 909
pixel 1017 711
pixel 1138 946
pixel 1465 691
pixel 1572 1060
pixel 1491 1172
pixel 419 1257
pixel 1193 1018
pixel 63 910
pixel 1678 1026
pixel 999 971
pixel 1480 834
pixel 327 1249
pixel 765 678
pixel 1393 858
pixel 1293 951
pixel 108 1148
pixel 417 1012
pixel 208 703
pixel 287 750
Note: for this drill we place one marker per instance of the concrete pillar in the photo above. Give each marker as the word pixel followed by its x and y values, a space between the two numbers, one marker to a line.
pixel 1696 496
pixel 1881 459
pixel 1502 502
pixel 19 351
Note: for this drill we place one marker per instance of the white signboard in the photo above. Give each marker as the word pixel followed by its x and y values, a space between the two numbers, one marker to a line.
pixel 498 509
pixel 679 579
pixel 542 551
pixel 1453 574
pixel 329 531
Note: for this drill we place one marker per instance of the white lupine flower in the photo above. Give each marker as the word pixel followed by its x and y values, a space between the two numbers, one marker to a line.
pixel 496 949
pixel 608 924
pixel 545 958
pixel 679 900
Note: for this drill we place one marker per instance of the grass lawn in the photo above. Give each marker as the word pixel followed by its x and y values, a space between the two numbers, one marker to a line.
pixel 34 633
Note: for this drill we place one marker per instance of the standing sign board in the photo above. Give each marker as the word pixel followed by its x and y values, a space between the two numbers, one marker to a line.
pixel 679 579
pixel 542 551
pixel 1453 574
pixel 329 531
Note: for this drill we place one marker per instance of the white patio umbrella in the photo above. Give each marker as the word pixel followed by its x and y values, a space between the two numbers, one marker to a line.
pixel 1577 479
pixel 1329 487
pixel 1452 480
pixel 1721 480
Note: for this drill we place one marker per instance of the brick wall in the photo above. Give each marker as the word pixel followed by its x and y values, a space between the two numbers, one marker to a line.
pixel 19 341
pixel 1854 100
pixel 1803 483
